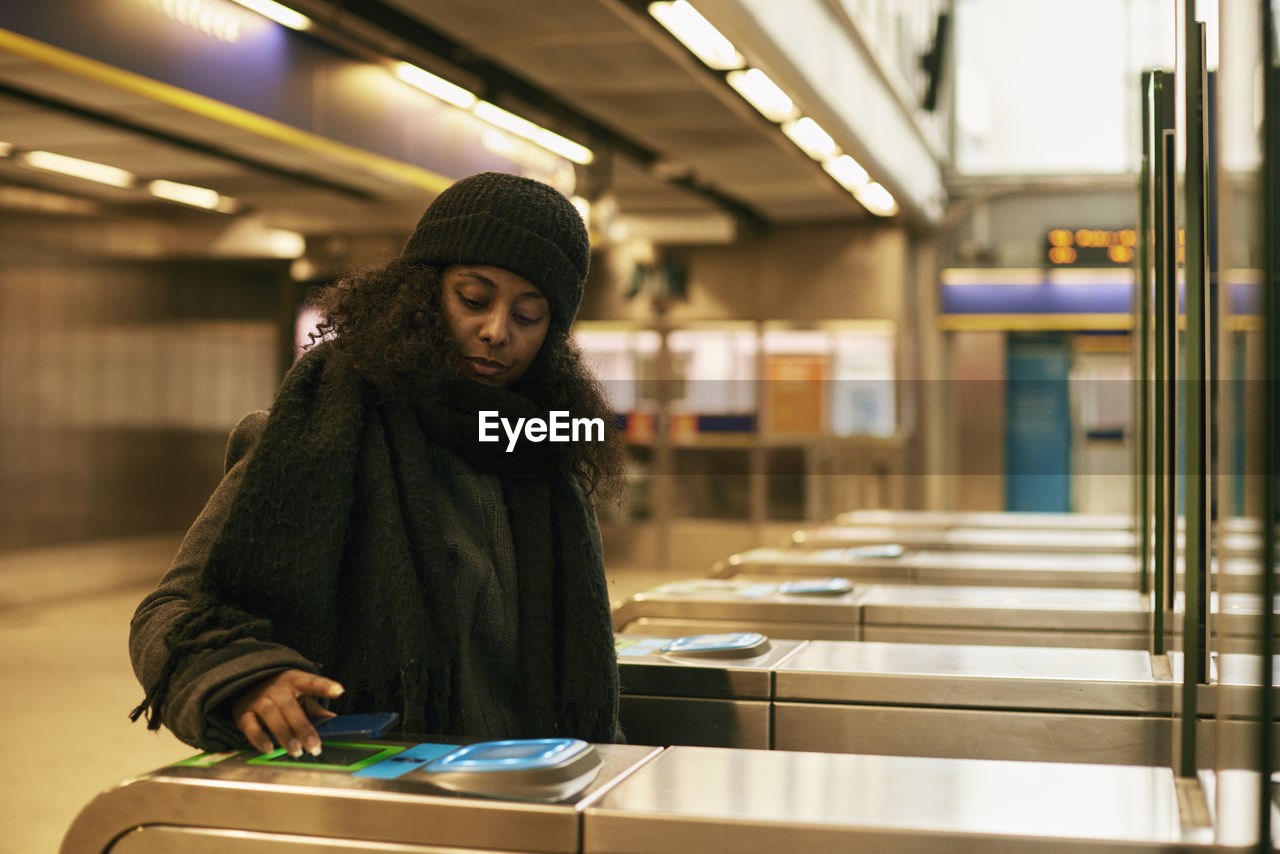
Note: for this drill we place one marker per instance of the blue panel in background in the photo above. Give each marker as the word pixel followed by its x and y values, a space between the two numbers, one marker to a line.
pixel 1038 424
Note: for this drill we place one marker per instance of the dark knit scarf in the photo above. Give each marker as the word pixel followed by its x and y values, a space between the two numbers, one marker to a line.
pixel 333 548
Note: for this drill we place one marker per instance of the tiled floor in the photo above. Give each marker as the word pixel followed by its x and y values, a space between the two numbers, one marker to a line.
pixel 68 687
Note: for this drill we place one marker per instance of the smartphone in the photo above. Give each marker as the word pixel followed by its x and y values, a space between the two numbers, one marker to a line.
pixel 371 725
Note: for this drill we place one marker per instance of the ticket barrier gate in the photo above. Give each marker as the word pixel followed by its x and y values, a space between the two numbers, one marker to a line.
pixel 696 799
pixel 896 565
pixel 1104 706
pixel 510 796
pixel 696 697
pixel 836 609
pixel 795 609
pixel 1236 543
pixel 968 539
pixel 1014 521
pixel 634 800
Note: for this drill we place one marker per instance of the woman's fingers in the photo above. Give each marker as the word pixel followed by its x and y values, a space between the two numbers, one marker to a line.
pixel 252 729
pixel 275 705
pixel 315 711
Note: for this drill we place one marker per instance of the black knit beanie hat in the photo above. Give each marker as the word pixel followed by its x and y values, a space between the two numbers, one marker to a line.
pixel 517 224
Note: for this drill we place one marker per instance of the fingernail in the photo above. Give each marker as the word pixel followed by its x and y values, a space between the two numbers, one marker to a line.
pixel 336 690
pixel 313 746
pixel 295 749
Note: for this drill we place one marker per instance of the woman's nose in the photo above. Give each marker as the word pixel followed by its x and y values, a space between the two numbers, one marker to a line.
pixel 493 330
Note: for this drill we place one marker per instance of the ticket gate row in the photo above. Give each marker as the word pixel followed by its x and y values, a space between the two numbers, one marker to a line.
pixel 895 564
pixel 835 608
pixel 645 801
pixel 1027 540
pixel 1019 520
pixel 1024 540
pixel 446 796
pixel 972 702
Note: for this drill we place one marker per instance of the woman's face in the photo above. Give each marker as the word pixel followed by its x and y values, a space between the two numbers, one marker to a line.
pixel 497 319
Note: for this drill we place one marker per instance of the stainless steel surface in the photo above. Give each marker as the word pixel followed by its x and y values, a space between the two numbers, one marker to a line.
pixel 809 563
pixel 688 676
pixel 988 539
pixel 999 637
pixel 1065 610
pixel 776 630
pixel 757 600
pixel 994 519
pixel 165 839
pixel 664 721
pixel 233 795
pixel 715 604
pixel 977 568
pixel 961 733
pixel 978 677
pixel 753 802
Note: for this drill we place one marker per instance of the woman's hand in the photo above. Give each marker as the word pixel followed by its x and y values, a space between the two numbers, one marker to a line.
pixel 283 705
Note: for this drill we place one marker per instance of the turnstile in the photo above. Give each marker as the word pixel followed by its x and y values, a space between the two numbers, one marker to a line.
pixel 972 539
pixel 1019 520
pixel 796 609
pixel 715 700
pixel 1025 540
pixel 758 802
pixel 1110 619
pixel 984 702
pixel 900 566
pixel 1007 616
pixel 1108 706
pixel 360 797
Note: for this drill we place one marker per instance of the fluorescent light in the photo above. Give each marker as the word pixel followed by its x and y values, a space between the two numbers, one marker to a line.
pixel 280 14
pixel 437 86
pixel 696 33
pixel 77 168
pixel 186 194
pixel 763 94
pixel 522 127
pixel 566 148
pixel 847 172
pixel 810 136
pixel 495 115
pixel 876 199
pixel 284 244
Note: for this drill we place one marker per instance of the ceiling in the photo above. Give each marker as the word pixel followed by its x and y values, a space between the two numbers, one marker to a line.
pixel 672 139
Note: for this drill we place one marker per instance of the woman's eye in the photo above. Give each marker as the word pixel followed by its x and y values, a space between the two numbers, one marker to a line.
pixel 526 320
pixel 471 303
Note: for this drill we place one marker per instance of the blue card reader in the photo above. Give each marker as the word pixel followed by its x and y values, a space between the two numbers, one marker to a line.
pixel 727 645
pixel 546 769
pixel 816 587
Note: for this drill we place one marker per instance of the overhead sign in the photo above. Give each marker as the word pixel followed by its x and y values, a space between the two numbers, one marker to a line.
pixel 1090 247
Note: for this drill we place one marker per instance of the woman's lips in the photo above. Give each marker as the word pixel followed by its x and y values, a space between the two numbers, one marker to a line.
pixel 485 367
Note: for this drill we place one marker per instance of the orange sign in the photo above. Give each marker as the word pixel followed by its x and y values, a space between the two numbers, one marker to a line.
pixel 793 391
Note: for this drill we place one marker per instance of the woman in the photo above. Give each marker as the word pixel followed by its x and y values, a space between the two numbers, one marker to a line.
pixel 366 548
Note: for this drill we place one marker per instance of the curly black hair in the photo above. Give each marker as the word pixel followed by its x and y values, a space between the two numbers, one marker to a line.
pixel 388 320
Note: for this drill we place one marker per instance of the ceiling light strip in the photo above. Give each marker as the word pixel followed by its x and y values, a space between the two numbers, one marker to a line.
pixel 716 51
pixel 697 34
pixel 74 167
pixel 186 194
pixel 763 94
pixel 435 86
pixel 278 13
